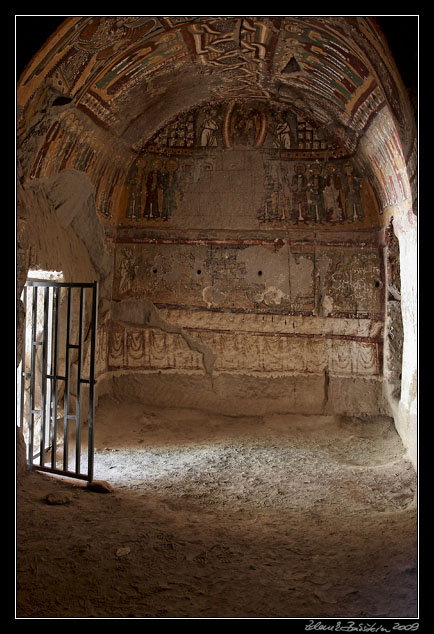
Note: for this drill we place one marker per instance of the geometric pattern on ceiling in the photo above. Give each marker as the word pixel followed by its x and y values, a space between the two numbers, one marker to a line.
pixel 326 66
pixel 334 72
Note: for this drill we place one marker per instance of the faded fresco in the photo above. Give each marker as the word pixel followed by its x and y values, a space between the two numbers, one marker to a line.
pixel 330 67
pixel 250 345
pixel 341 281
pixel 258 198
pixel 287 309
pixel 243 353
pixel 301 178
pixel 298 177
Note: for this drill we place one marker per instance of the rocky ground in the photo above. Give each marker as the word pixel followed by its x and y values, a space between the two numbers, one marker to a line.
pixel 213 516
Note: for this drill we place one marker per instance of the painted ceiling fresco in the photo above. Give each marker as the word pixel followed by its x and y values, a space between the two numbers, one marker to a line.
pixel 308 87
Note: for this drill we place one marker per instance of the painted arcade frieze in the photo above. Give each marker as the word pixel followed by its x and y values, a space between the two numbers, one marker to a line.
pixel 246 123
pixel 243 352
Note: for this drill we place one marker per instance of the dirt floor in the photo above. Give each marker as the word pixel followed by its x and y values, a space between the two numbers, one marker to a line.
pixel 219 517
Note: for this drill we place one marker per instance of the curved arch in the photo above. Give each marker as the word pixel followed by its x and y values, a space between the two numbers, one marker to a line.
pixel 345 80
pixel 103 90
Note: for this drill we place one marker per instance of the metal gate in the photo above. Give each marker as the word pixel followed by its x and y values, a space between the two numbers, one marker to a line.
pixel 56 377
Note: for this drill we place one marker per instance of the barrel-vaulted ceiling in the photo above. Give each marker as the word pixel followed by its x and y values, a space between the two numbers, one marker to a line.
pixel 117 81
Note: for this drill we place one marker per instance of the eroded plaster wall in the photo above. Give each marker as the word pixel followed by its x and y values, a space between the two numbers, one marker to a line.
pixel 243 203
pixel 262 245
pixel 59 231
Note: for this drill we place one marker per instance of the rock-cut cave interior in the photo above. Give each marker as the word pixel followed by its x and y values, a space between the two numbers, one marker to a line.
pixel 237 197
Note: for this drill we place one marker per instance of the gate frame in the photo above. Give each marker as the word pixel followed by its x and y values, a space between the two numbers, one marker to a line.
pixel 51 379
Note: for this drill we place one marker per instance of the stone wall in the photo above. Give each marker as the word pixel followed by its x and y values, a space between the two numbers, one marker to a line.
pixel 257 243
pixel 241 205
pixel 315 289
pixel 265 249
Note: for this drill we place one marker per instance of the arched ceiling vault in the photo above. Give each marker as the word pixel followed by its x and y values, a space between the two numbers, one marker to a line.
pixel 117 81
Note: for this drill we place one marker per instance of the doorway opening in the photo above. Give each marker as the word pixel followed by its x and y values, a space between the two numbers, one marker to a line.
pixel 56 374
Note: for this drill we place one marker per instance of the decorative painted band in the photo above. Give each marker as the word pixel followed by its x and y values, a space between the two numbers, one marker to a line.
pixel 151 349
pixel 300 335
pixel 289 313
pixel 277 243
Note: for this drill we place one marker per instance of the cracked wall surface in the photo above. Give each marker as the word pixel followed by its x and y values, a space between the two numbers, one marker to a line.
pixel 232 205
pixel 301 304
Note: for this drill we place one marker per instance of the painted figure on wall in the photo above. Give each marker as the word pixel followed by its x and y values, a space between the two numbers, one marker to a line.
pixel 151 194
pixel 50 139
pixel 168 186
pixel 154 191
pixel 277 185
pixel 300 209
pixel 351 188
pixel 135 183
pixel 245 128
pixel 209 128
pixel 282 135
pixel 71 136
pixel 285 192
pixel 271 187
pixel 332 199
pixel 84 155
pixel 127 270
pixel 110 198
pixel 245 125
pixel 316 201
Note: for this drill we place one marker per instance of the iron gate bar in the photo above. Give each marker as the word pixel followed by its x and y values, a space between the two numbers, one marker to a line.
pixel 50 347
pixel 48 417
pixel 32 372
pixel 77 407
pixel 54 378
pixel 43 380
pixel 92 379
pixel 62 472
pixel 66 390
